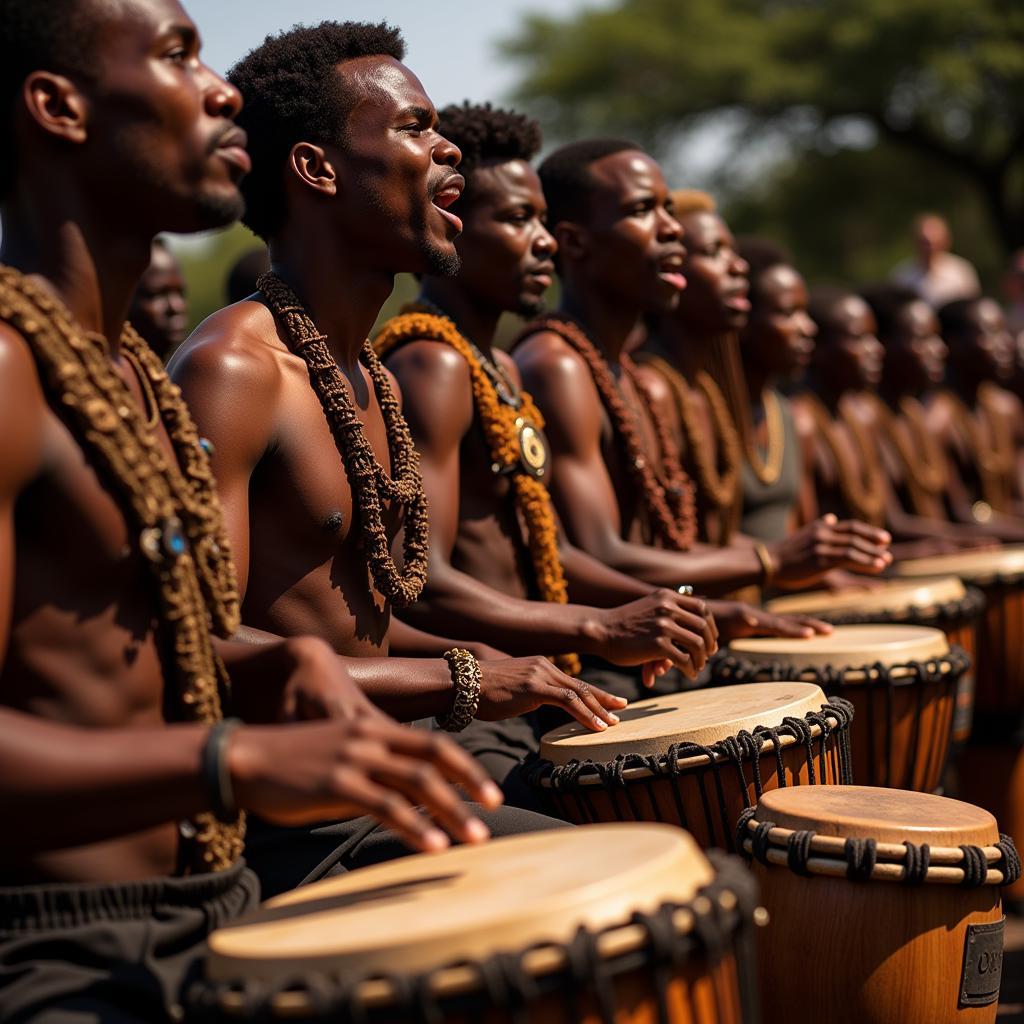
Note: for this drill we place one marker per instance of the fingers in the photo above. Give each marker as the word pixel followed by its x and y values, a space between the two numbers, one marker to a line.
pixel 696 616
pixel 454 763
pixel 419 782
pixel 873 534
pixel 653 670
pixel 852 558
pixel 578 698
pixel 815 625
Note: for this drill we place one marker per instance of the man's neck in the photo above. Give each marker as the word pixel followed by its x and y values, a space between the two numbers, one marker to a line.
pixel 680 344
pixel 341 294
pixel 475 318
pixel 92 269
pixel 608 322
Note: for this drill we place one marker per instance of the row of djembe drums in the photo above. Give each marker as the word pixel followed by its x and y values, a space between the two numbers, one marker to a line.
pixel 864 896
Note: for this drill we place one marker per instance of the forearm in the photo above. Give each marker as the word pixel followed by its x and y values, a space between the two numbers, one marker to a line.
pixel 709 570
pixel 405 641
pixel 591 582
pixel 470 609
pixel 905 526
pixel 63 786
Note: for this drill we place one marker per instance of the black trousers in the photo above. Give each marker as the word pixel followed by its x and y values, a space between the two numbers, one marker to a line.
pixel 116 954
pixel 284 858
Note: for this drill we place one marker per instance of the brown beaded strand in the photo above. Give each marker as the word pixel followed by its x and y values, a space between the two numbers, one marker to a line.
pixel 370 484
pixel 670 505
pixel 170 504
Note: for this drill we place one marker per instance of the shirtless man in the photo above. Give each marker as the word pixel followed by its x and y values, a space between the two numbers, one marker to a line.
pixel 114 131
pixel 490 528
pixel 620 254
pixel 842 424
pixel 347 194
pixel 159 307
pixel 978 421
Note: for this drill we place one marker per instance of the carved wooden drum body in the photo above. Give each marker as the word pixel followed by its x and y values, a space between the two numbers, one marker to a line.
pixel 884 906
pixel 615 924
pixel 902 680
pixel 943 602
pixel 697 759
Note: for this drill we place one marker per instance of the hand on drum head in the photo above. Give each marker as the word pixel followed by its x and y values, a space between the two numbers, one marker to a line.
pixel 515 686
pixel 738 620
pixel 839 580
pixel 663 627
pixel 803 558
pixel 312 771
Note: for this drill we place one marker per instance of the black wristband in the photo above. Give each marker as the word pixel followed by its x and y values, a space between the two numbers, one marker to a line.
pixel 215 771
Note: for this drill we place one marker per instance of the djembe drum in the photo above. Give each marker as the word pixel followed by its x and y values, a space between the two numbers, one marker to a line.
pixel 884 906
pixel 902 680
pixel 991 768
pixel 615 924
pixel 696 759
pixel 943 603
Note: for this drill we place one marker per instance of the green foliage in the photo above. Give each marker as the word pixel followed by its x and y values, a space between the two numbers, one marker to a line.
pixel 941 79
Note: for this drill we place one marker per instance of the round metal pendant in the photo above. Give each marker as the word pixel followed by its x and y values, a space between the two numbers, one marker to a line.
pixel 533 448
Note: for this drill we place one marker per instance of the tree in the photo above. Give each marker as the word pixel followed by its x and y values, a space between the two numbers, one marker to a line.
pixel 942 79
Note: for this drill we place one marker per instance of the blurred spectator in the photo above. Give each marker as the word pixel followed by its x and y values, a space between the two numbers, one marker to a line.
pixel 243 275
pixel 936 274
pixel 159 309
pixel 1013 293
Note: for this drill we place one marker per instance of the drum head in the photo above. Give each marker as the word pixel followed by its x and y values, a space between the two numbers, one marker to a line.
pixel 974 566
pixel 892 597
pixel 848 647
pixel 887 815
pixel 650 727
pixel 422 912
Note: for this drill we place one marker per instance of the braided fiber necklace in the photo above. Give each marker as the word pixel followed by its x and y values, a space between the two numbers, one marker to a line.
pixel 990 448
pixel 371 485
pixel 170 504
pixel 670 504
pixel 919 454
pixel 862 486
pixel 512 426
pixel 718 476
pixel 769 469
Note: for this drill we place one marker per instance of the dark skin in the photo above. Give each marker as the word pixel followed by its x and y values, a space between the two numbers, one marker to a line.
pixel 91 777
pixel 479 571
pixel 356 217
pixel 159 309
pixel 848 363
pixel 982 353
pixel 614 268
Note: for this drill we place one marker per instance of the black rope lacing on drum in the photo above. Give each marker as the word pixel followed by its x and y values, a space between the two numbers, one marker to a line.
pixel 730 753
pixel 861 855
pixel 503 983
pixel 970 606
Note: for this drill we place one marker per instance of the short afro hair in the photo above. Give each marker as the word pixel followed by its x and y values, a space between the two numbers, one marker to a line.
pixel 760 255
pixel 692 200
pixel 955 320
pixel 568 183
pixel 54 35
pixel 483 132
pixel 887 301
pixel 824 300
pixel 293 94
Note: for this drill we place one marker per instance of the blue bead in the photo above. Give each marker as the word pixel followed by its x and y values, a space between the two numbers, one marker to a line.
pixel 207 445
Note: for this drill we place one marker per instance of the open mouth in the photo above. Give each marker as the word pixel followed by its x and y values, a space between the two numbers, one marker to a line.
pixel 738 300
pixel 541 276
pixel 670 270
pixel 445 196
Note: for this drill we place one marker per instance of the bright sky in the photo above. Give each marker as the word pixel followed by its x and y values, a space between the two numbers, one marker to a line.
pixel 451 43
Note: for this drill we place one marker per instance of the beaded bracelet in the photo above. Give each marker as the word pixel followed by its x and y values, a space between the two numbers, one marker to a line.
pixel 768 566
pixel 215 770
pixel 465 672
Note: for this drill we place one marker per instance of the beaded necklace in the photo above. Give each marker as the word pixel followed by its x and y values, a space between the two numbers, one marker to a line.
pixel 990 447
pixel 669 501
pixel 513 429
pixel 920 455
pixel 718 487
pixel 862 485
pixel 769 469
pixel 170 504
pixel 371 485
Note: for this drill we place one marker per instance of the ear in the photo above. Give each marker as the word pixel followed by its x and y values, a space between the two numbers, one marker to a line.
pixel 309 163
pixel 55 103
pixel 573 239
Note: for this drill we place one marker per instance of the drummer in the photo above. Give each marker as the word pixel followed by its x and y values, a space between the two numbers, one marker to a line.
pixel 620 492
pixel 842 422
pixel 113 132
pixel 495 542
pixel 978 421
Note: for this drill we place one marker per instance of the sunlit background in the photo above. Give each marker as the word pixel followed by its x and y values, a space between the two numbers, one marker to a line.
pixel 825 125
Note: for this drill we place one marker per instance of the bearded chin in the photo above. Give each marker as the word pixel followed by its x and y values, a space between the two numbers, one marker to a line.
pixel 218 210
pixel 442 262
pixel 530 306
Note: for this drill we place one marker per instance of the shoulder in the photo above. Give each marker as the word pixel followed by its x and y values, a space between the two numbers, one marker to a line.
pixel 547 357
pixel 23 411
pixel 427 360
pixel 437 394
pixel 803 418
pixel 238 348
pixel 656 388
